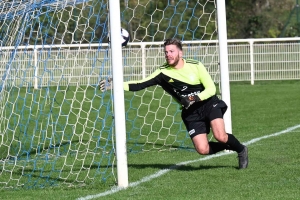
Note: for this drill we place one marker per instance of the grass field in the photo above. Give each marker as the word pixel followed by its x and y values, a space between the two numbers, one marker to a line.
pixel 265 116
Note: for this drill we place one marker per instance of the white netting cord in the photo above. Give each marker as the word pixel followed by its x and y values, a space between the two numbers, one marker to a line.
pixel 67 134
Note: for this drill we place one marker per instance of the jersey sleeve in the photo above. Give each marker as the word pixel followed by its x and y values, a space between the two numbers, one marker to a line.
pixel 144 83
pixel 208 83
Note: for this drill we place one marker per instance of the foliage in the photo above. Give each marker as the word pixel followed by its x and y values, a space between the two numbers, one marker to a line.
pixel 258 18
pixel 293 30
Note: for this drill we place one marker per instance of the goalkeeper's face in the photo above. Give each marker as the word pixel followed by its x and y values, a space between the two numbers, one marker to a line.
pixel 173 55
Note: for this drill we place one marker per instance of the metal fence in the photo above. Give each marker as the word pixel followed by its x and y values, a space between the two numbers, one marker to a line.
pixel 249 60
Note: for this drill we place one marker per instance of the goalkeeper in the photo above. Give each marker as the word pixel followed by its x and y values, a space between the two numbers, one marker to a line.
pixel 190 85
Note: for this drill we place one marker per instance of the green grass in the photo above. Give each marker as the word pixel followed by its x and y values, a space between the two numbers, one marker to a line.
pixel 257 110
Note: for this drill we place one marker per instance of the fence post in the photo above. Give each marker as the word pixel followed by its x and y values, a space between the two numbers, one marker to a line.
pixel 251 62
pixel 35 69
pixel 143 46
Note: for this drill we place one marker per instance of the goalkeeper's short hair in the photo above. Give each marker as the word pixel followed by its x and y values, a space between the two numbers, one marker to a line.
pixel 173 41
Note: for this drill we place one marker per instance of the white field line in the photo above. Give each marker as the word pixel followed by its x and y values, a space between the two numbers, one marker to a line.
pixel 164 171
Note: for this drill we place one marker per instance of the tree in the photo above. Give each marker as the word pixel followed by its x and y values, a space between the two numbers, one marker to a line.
pixel 257 18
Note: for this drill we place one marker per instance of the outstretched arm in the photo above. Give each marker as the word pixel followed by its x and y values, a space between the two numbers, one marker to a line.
pixel 151 80
pixel 132 85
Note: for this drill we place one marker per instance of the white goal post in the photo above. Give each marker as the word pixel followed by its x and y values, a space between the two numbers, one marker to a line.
pixel 119 108
pixel 224 69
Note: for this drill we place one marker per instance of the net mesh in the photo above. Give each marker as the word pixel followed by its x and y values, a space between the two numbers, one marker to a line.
pixel 56 126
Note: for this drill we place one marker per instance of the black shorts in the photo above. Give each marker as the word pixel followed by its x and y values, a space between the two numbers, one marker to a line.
pixel 198 117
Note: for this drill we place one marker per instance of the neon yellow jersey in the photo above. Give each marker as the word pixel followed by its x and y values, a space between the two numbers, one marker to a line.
pixel 191 79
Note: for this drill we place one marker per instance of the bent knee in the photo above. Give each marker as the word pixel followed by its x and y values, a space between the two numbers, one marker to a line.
pixel 221 137
pixel 202 151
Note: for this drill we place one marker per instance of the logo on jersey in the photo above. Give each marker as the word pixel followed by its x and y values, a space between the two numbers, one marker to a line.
pixel 171 81
pixel 192 94
pixel 192 131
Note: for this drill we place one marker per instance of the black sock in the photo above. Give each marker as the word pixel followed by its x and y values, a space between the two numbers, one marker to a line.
pixel 234 144
pixel 215 147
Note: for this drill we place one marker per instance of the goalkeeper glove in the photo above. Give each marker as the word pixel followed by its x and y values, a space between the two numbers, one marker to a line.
pixel 187 101
pixel 105 84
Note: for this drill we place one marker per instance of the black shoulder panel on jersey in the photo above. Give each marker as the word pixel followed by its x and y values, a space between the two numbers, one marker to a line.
pixel 192 61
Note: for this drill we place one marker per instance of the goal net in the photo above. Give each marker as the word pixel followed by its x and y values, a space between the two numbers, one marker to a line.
pixel 56 126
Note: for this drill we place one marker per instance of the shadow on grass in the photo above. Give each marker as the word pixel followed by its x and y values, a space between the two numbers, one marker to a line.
pixel 179 167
